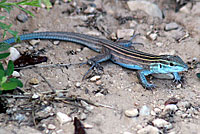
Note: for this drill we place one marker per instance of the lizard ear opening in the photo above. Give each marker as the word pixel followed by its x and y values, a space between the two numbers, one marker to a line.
pixel 160 65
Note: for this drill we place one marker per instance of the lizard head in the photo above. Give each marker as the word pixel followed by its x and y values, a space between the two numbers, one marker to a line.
pixel 168 64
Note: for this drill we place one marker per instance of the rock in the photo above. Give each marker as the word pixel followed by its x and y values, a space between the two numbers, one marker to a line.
pixel 153 36
pixel 22 18
pixel 157 110
pixel 89 10
pixel 171 26
pixel 170 108
pixel 16 74
pixel 195 9
pixel 20 117
pixel 56 42
pixel 168 76
pixel 35 96
pixel 148 130
pixel 34 81
pixel 184 104
pixel 34 42
pixel 87 126
pixel 186 9
pixel 51 127
pixel 146 6
pixel 121 33
pixel 144 111
pixel 160 123
pixel 63 118
pixel 14 54
pixel 95 78
pixel 78 84
pixel 131 112
pixel 83 116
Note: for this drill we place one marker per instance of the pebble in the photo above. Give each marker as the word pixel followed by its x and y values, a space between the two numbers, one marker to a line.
pixel 168 76
pixel 34 81
pixel 78 50
pixel 157 110
pixel 153 36
pixel 160 123
pixel 87 126
pixel 133 112
pixel 186 9
pixel 83 116
pixel 95 78
pixel 184 104
pixel 63 118
pixel 179 86
pixel 170 108
pixel 159 44
pixel 148 130
pixel 14 54
pixel 22 18
pixel 121 33
pixel 146 6
pixel 78 84
pixel 35 96
pixel 51 127
pixel 16 74
pixel 99 82
pixel 171 26
pixel 133 24
pixel 34 42
pixel 56 42
pixel 144 111
pixel 89 9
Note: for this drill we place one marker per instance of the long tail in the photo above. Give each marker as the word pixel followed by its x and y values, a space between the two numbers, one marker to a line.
pixel 86 40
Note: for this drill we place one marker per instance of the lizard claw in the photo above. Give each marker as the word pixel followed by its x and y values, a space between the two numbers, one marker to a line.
pixel 94 65
pixel 149 86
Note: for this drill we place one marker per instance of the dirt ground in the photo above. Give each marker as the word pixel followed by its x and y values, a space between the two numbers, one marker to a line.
pixel 118 88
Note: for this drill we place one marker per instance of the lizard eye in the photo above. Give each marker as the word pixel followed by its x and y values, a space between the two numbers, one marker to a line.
pixel 171 64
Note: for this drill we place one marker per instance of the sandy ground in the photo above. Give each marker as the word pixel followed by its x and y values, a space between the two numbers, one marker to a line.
pixel 118 87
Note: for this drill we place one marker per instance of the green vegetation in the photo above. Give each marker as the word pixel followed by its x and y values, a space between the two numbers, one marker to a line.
pixel 7 82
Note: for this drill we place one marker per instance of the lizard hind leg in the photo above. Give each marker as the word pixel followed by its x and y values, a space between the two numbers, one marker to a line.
pixel 95 63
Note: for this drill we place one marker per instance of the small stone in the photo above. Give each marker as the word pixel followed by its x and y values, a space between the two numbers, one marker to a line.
pixel 87 126
pixel 131 112
pixel 144 111
pixel 16 74
pixel 78 84
pixel 157 110
pixel 34 42
pixel 146 6
pixel 186 9
pixel 56 42
pixel 160 123
pixel 20 117
pixel 89 9
pixel 83 116
pixel 63 118
pixel 153 113
pixel 78 50
pixel 80 58
pixel 51 127
pixel 184 104
pixel 170 108
pixel 133 24
pixel 171 26
pixel 14 54
pixel 95 78
pixel 35 96
pixel 34 81
pixel 148 130
pixel 153 36
pixel 99 82
pixel 22 18
pixel 168 76
pixel 178 86
pixel 159 44
pixel 121 33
